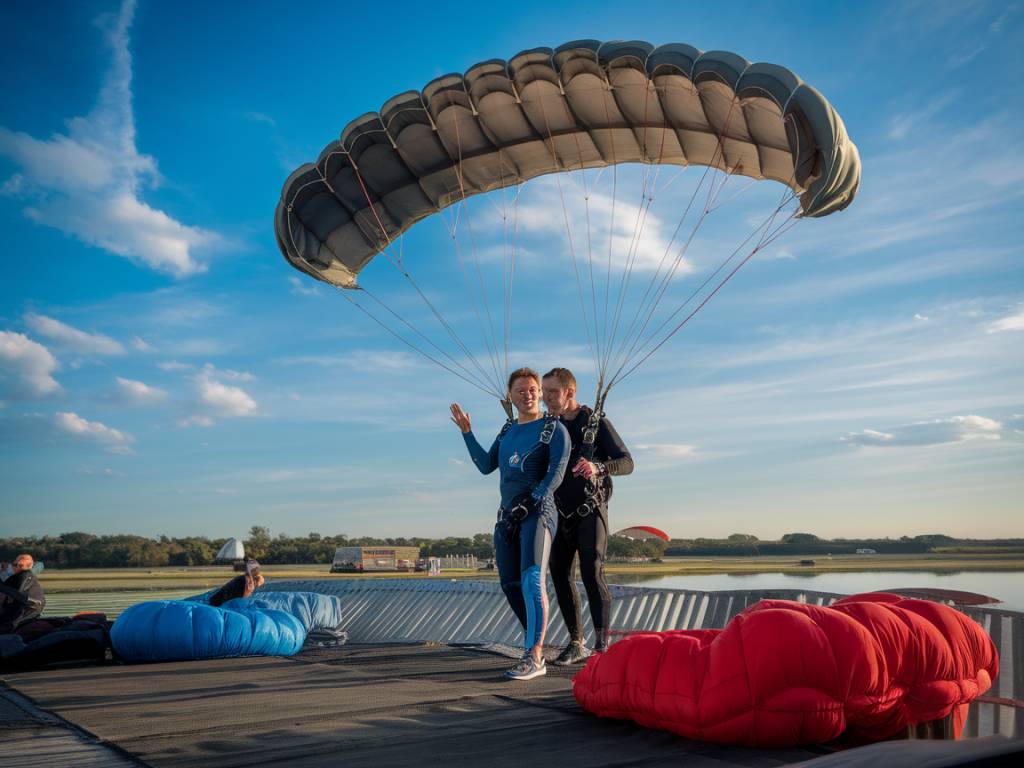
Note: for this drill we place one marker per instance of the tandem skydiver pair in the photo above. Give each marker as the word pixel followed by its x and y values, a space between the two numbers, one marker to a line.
pixel 546 516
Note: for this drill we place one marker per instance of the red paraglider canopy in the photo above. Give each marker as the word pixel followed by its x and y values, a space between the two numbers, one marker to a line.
pixel 643 532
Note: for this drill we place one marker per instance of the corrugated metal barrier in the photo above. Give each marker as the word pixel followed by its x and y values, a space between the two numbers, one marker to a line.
pixel 451 611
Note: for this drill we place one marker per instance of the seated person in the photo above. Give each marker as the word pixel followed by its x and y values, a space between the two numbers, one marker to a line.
pixel 240 586
pixel 21 596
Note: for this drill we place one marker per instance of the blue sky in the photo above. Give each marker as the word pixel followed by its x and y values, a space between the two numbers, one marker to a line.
pixel 163 370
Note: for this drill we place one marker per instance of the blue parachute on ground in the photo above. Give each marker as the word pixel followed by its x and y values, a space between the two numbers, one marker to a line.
pixel 272 624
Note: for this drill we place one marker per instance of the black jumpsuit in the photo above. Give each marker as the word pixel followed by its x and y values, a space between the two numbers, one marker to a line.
pixel 586 535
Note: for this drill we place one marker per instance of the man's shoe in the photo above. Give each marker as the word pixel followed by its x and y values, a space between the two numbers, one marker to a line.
pixel 527 669
pixel 574 653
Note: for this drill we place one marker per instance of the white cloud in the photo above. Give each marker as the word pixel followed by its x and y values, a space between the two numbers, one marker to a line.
pixel 668 450
pixel 114 440
pixel 303 287
pixel 137 393
pixel 73 339
pixel 225 400
pixel 86 183
pixel 632 233
pixel 26 367
pixel 217 400
pixel 957 429
pixel 1011 323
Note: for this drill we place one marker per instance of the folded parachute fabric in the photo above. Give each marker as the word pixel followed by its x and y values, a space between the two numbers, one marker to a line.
pixel 173 630
pixel 783 673
pixel 314 610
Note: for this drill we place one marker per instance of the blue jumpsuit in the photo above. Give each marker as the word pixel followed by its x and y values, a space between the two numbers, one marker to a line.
pixel 528 465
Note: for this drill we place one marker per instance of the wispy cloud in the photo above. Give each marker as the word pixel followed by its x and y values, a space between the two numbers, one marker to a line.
pixel 174 365
pixel 105 472
pixel 72 339
pixel 957 429
pixel 259 117
pixel 358 360
pixel 1010 323
pixel 133 392
pixel 210 370
pixel 140 345
pixel 113 440
pixel 87 182
pixel 26 368
pixel 668 450
pixel 304 287
pixel 902 124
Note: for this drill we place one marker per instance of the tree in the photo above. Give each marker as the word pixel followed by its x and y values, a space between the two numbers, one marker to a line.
pixel 799 538
pixel 258 543
pixel 743 538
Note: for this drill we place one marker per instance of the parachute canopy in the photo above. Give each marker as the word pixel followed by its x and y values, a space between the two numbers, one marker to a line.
pixel 642 532
pixel 585 104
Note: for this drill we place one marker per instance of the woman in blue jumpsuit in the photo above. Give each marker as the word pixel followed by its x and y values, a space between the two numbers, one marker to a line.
pixel 531 453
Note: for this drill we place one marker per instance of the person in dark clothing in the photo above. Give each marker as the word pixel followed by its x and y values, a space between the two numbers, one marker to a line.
pixel 21 596
pixel 582 501
pixel 240 586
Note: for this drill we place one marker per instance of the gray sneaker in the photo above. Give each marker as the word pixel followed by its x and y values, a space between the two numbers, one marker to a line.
pixel 527 669
pixel 574 653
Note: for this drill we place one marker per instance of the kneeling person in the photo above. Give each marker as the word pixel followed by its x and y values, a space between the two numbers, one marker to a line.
pixel 21 595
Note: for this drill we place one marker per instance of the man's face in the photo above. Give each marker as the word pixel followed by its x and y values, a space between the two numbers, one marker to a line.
pixel 525 394
pixel 556 397
pixel 22 564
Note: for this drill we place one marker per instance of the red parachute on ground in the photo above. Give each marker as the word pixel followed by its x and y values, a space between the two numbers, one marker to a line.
pixel 784 673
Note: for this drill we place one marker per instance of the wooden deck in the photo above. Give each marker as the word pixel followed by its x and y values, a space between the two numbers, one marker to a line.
pixel 355 705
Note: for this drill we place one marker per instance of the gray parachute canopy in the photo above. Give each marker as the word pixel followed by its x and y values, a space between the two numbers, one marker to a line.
pixel 585 104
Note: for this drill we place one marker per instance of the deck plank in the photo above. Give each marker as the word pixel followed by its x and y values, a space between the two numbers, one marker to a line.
pixel 380 705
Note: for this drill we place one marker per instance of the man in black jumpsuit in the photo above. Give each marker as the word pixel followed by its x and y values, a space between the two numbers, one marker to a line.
pixel 583 523
pixel 21 596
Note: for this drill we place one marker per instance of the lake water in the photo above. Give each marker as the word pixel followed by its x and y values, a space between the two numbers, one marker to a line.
pixel 1007 586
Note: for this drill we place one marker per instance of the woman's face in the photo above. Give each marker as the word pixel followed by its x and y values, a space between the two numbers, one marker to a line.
pixel 525 394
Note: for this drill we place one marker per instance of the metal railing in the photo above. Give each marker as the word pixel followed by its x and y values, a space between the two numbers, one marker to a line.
pixel 449 611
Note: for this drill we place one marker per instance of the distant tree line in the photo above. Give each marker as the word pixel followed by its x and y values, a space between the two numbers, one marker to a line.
pixel 739 544
pixel 85 550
